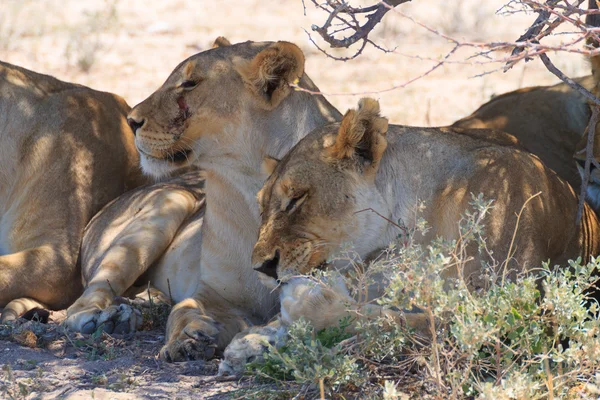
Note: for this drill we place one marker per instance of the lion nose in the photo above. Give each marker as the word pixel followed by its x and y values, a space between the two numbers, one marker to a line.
pixel 269 267
pixel 135 125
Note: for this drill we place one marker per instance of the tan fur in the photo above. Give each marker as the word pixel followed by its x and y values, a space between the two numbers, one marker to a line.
pixel 241 110
pixel 65 151
pixel 440 166
pixel 548 121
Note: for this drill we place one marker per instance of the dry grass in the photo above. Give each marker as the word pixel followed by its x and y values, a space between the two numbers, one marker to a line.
pixel 132 52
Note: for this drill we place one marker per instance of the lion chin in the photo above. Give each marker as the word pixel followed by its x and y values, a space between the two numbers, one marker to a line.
pixel 164 167
pixel 269 282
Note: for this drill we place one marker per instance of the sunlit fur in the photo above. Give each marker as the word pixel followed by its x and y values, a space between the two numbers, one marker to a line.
pixel 548 121
pixel 65 151
pixel 241 110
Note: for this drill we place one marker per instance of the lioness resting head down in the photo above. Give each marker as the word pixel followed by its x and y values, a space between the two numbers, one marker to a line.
pixel 311 202
pixel 550 122
pixel 221 110
pixel 314 200
pixel 65 151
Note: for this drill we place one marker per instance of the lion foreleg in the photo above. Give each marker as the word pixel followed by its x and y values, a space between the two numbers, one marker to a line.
pixel 132 252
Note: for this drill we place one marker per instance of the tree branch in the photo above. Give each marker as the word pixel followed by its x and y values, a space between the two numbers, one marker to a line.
pixel 377 12
pixel 574 85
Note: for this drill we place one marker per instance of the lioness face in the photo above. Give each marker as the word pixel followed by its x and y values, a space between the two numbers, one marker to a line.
pixel 199 113
pixel 312 202
pixel 593 189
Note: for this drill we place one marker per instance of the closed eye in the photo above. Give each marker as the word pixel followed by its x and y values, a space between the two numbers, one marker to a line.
pixel 189 84
pixel 295 202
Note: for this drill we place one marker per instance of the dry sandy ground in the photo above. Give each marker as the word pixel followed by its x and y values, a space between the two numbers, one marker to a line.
pixel 57 364
pixel 130 46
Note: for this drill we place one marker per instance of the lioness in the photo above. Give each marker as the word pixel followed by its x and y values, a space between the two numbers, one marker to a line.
pixel 319 195
pixel 221 110
pixel 66 151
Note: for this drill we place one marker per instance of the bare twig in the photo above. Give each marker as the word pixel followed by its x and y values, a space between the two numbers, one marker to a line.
pixel 512 241
pixel 532 32
pixel 574 85
pixel 361 32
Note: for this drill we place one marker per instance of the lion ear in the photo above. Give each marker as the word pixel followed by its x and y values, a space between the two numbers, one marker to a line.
pixel 271 71
pixel 268 165
pixel 221 41
pixel 361 134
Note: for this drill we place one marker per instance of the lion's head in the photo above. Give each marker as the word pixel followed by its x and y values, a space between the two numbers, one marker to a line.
pixel 316 198
pixel 199 113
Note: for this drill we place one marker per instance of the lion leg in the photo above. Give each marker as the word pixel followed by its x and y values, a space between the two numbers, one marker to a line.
pixel 250 345
pixel 197 327
pixel 18 307
pixel 132 252
pixel 40 276
pixel 325 306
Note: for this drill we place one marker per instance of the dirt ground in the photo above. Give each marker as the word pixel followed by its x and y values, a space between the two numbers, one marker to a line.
pixel 129 47
pixel 43 361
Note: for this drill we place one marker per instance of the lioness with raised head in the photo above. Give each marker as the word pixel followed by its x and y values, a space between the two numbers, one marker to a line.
pixel 221 110
pixel 316 197
pixel 65 151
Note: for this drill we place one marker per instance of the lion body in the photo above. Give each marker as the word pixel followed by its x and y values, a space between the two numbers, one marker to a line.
pixel 548 121
pixel 65 152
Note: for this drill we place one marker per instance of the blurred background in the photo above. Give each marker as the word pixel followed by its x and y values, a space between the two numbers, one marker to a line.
pixel 129 47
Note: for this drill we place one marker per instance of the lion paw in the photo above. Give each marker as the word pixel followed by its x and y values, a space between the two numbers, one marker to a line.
pixel 120 319
pixel 322 305
pixel 197 341
pixel 249 346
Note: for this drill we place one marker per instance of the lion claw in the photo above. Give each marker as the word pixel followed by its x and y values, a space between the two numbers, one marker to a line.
pixel 119 319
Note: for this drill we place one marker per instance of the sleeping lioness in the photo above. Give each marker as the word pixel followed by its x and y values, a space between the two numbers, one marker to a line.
pixel 65 151
pixel 320 196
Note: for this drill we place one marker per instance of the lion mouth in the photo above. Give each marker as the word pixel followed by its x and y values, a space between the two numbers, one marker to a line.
pixel 177 157
pixel 180 156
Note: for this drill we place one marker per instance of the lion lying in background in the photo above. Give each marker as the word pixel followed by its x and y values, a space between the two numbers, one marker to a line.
pixel 548 121
pixel 65 151
pixel 316 197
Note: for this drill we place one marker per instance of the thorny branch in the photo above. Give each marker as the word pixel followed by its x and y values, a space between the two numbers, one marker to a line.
pixel 552 14
pixel 347 16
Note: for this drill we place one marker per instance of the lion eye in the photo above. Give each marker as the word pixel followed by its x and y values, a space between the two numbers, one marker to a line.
pixel 295 202
pixel 188 84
